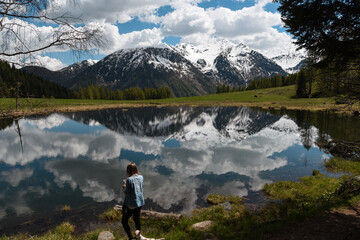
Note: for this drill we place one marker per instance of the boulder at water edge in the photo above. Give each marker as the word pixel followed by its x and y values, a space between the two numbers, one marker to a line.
pixel 202 226
pixel 106 235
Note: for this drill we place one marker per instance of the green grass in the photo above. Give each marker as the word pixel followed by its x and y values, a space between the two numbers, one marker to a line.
pixel 65 208
pixel 111 215
pixel 296 201
pixel 310 191
pixel 65 228
pixel 342 165
pixel 280 94
pixel 281 97
pixel 215 199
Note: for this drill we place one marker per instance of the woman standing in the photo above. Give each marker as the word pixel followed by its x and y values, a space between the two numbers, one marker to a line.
pixel 134 198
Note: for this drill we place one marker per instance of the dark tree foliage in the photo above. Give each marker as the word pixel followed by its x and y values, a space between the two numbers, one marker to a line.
pixel 275 81
pixel 135 93
pixel 301 85
pixel 329 29
pixel 223 88
pixel 14 82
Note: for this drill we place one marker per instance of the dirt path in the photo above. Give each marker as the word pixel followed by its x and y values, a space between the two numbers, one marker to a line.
pixel 339 224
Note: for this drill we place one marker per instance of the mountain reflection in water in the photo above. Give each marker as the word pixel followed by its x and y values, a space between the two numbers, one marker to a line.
pixel 184 154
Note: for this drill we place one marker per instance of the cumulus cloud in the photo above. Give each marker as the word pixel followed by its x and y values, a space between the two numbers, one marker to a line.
pixel 18 201
pixel 16 175
pixel 232 188
pixel 246 21
pixel 253 26
pixel 48 62
pixel 205 151
pixel 112 11
pixel 270 40
pixel 28 37
pixel 38 142
pixel 114 41
pixel 187 20
pixel 100 181
pixel 52 121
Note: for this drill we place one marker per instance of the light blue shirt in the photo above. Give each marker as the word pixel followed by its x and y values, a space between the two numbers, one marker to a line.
pixel 134 197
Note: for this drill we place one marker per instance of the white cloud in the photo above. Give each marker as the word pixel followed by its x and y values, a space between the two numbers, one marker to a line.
pixel 253 26
pixel 28 37
pixel 198 39
pixel 115 41
pixel 205 151
pixel 112 11
pixel 246 21
pixel 48 62
pixel 52 121
pixel 16 175
pixel 272 39
pixel 18 201
pixel 187 20
pixel 39 142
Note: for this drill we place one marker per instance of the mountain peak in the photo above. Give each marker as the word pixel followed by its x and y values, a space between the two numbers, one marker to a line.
pixel 185 68
pixel 229 63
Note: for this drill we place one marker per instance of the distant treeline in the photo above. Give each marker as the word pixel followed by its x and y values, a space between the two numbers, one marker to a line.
pixel 17 83
pixel 14 82
pixel 310 82
pixel 275 81
pixel 136 93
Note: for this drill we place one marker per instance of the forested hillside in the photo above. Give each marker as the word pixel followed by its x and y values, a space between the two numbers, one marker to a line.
pixel 16 82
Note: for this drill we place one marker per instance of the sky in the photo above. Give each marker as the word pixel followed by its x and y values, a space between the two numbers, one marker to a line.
pixel 143 23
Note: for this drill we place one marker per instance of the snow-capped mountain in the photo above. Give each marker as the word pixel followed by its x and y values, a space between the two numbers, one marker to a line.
pixel 148 67
pixel 291 63
pixel 204 55
pixel 186 69
pixel 78 67
pixel 209 124
pixel 291 60
pixel 229 63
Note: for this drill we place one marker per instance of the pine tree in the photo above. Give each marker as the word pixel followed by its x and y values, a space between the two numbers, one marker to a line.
pixel 301 85
pixel 119 95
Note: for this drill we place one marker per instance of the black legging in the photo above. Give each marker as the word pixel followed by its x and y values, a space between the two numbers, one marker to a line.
pixel 126 214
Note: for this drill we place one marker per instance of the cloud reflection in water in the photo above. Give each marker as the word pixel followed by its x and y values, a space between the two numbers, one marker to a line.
pixel 209 144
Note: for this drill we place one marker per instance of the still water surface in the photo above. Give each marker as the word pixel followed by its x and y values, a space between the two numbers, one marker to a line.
pixel 184 154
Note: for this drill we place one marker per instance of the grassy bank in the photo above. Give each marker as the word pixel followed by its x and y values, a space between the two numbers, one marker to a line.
pixel 277 98
pixel 294 203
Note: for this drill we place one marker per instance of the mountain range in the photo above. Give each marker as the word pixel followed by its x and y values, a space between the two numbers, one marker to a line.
pixel 186 69
pixel 228 123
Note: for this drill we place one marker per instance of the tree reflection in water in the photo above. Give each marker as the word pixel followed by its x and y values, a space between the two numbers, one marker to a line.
pixel 184 154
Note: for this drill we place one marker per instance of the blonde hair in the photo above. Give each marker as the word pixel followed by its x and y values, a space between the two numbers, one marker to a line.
pixel 131 169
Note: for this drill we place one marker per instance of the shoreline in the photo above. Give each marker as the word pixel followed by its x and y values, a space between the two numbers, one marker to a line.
pixel 340 109
pixel 277 107
pixel 280 98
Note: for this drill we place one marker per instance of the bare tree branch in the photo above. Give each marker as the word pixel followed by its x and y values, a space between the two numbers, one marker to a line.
pixel 22 22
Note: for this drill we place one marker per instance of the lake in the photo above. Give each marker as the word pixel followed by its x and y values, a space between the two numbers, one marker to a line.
pixel 184 153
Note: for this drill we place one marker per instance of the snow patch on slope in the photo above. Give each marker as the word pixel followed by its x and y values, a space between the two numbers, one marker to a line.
pixel 288 59
pixel 205 54
pixel 285 124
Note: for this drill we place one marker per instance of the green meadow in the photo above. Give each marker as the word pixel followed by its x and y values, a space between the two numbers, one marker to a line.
pixel 278 98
